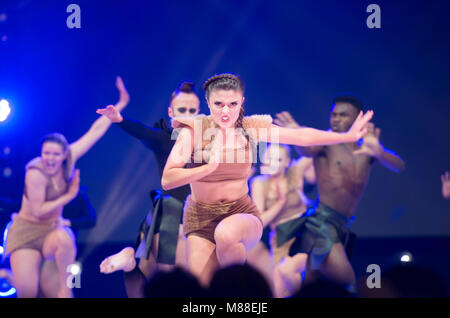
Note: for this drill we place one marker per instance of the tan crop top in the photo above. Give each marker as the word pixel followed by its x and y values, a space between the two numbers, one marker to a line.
pixel 55 188
pixel 294 202
pixel 235 163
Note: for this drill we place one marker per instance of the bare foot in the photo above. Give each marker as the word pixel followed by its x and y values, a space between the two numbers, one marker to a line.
pixel 124 260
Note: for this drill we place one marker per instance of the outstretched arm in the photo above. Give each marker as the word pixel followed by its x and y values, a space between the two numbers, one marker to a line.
pixel 99 127
pixel 175 175
pixel 372 147
pixel 285 119
pixel 304 136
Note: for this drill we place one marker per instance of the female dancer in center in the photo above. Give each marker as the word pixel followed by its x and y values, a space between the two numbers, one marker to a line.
pixel 221 223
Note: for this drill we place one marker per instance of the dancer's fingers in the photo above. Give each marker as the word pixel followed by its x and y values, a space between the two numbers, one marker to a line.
pixel 278 122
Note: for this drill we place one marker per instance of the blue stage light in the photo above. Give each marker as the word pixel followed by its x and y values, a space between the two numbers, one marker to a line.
pixel 5 109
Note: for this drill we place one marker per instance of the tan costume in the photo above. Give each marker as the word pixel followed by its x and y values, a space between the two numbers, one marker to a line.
pixel 293 208
pixel 201 218
pixel 25 234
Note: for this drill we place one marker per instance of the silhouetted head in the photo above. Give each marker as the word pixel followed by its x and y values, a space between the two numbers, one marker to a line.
pixel 409 280
pixel 176 283
pixel 239 281
pixel 323 288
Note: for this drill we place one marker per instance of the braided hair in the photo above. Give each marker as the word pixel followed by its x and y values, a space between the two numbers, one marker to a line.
pixel 228 81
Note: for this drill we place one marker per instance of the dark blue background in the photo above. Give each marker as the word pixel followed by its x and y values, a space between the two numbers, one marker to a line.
pixel 292 55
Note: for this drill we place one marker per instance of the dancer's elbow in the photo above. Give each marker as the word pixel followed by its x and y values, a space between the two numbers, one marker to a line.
pixel 166 185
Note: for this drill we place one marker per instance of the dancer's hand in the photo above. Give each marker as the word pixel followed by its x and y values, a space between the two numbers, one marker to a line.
pixel 445 178
pixel 285 119
pixel 74 185
pixel 111 113
pixel 371 142
pixel 359 127
pixel 124 97
pixel 64 222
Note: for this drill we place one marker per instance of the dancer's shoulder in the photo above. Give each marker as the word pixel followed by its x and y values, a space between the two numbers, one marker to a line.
pixel 257 121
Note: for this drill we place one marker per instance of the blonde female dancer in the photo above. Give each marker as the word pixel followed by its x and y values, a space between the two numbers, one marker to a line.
pixel 38 232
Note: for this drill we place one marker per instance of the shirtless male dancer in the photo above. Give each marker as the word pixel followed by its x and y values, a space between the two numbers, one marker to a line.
pixel 342 173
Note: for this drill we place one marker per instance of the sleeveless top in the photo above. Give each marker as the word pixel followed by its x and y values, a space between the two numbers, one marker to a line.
pixel 53 191
pixel 235 163
pixel 294 203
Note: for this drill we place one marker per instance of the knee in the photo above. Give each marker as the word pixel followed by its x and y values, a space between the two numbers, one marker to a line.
pixel 224 238
pixel 63 239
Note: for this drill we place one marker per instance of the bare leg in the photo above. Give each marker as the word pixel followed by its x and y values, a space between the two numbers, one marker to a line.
pixel 25 265
pixel 60 245
pixel 180 256
pixel 124 260
pixel 202 259
pixel 288 275
pixel 49 279
pixel 337 267
pixel 234 236
pixel 259 258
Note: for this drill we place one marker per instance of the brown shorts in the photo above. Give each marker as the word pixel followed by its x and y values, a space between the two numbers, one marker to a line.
pixel 24 234
pixel 201 219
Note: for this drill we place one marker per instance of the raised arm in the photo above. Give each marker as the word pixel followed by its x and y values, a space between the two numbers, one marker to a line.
pixel 36 184
pixel 371 146
pixel 258 196
pixel 304 136
pixel 175 175
pixel 99 127
pixel 303 168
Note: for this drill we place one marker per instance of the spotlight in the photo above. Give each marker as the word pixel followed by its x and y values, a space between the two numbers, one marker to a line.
pixel 75 269
pixel 406 257
pixel 6 151
pixel 5 110
pixel 1 250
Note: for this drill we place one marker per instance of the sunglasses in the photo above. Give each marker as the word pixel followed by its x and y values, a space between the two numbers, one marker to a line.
pixel 184 109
